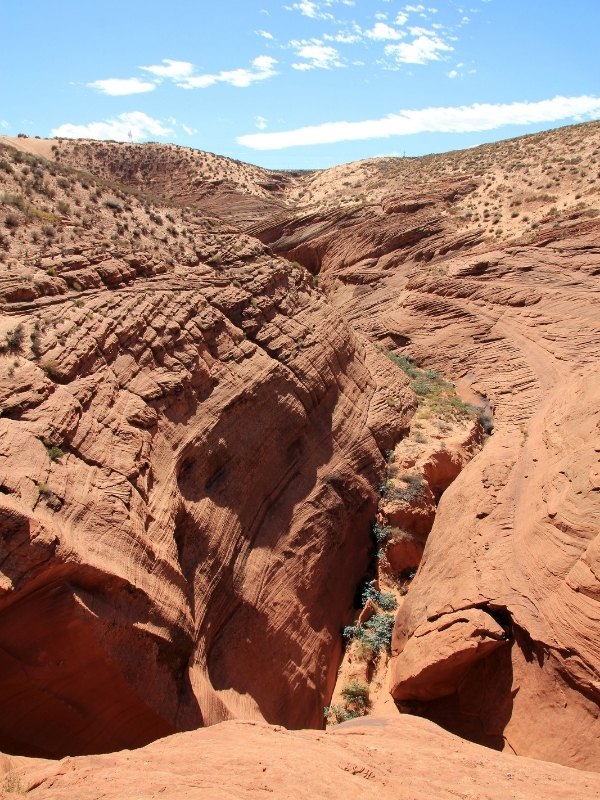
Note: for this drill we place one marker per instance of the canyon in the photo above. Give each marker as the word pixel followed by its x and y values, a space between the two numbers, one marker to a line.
pixel 231 398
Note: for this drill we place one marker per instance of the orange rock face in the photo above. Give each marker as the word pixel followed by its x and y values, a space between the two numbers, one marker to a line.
pixel 372 758
pixel 188 473
pixel 191 441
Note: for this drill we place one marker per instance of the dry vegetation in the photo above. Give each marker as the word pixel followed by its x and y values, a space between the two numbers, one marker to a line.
pixel 521 181
pixel 170 171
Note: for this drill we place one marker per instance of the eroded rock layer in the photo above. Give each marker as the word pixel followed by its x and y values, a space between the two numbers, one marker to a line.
pixel 187 477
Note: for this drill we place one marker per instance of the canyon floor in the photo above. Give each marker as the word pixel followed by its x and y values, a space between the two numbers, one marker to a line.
pixel 278 441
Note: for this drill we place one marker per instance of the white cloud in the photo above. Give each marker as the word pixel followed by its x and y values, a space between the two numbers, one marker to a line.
pixel 170 69
pixel 316 55
pixel 140 125
pixel 342 37
pixel 452 74
pixel 401 18
pixel 426 47
pixel 262 67
pixel 458 119
pixel 264 34
pixel 382 32
pixel 190 131
pixel 122 86
pixel 260 122
pixel 308 8
pixel 315 10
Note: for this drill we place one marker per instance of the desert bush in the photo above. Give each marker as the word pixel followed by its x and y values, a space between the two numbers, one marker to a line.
pixel 35 343
pixel 113 204
pixel 356 692
pixel 51 369
pixel 414 488
pixel 14 339
pixel 338 713
pixel 376 633
pixel 385 600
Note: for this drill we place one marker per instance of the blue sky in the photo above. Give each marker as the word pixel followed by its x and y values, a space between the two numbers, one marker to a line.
pixel 299 83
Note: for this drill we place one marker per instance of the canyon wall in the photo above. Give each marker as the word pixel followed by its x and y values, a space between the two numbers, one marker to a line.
pixel 188 469
pixel 495 639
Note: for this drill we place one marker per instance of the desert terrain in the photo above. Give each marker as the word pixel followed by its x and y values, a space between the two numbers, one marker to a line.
pixel 300 472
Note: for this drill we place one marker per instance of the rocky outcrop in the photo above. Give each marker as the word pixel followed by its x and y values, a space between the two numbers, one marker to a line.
pixel 366 758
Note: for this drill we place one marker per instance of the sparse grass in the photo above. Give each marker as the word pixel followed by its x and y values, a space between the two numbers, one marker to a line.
pixel 12 783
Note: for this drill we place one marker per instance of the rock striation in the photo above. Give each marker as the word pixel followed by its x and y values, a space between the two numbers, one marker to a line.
pixel 495 638
pixel 187 474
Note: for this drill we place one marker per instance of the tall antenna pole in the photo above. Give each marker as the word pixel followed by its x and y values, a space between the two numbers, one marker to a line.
pixel 130 135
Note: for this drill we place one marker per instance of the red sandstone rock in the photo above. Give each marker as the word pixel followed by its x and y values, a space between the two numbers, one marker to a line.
pixel 403 759
pixel 187 477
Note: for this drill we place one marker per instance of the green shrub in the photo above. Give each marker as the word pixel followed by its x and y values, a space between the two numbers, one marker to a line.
pixel 376 633
pixel 356 693
pixel 384 600
pixel 381 533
